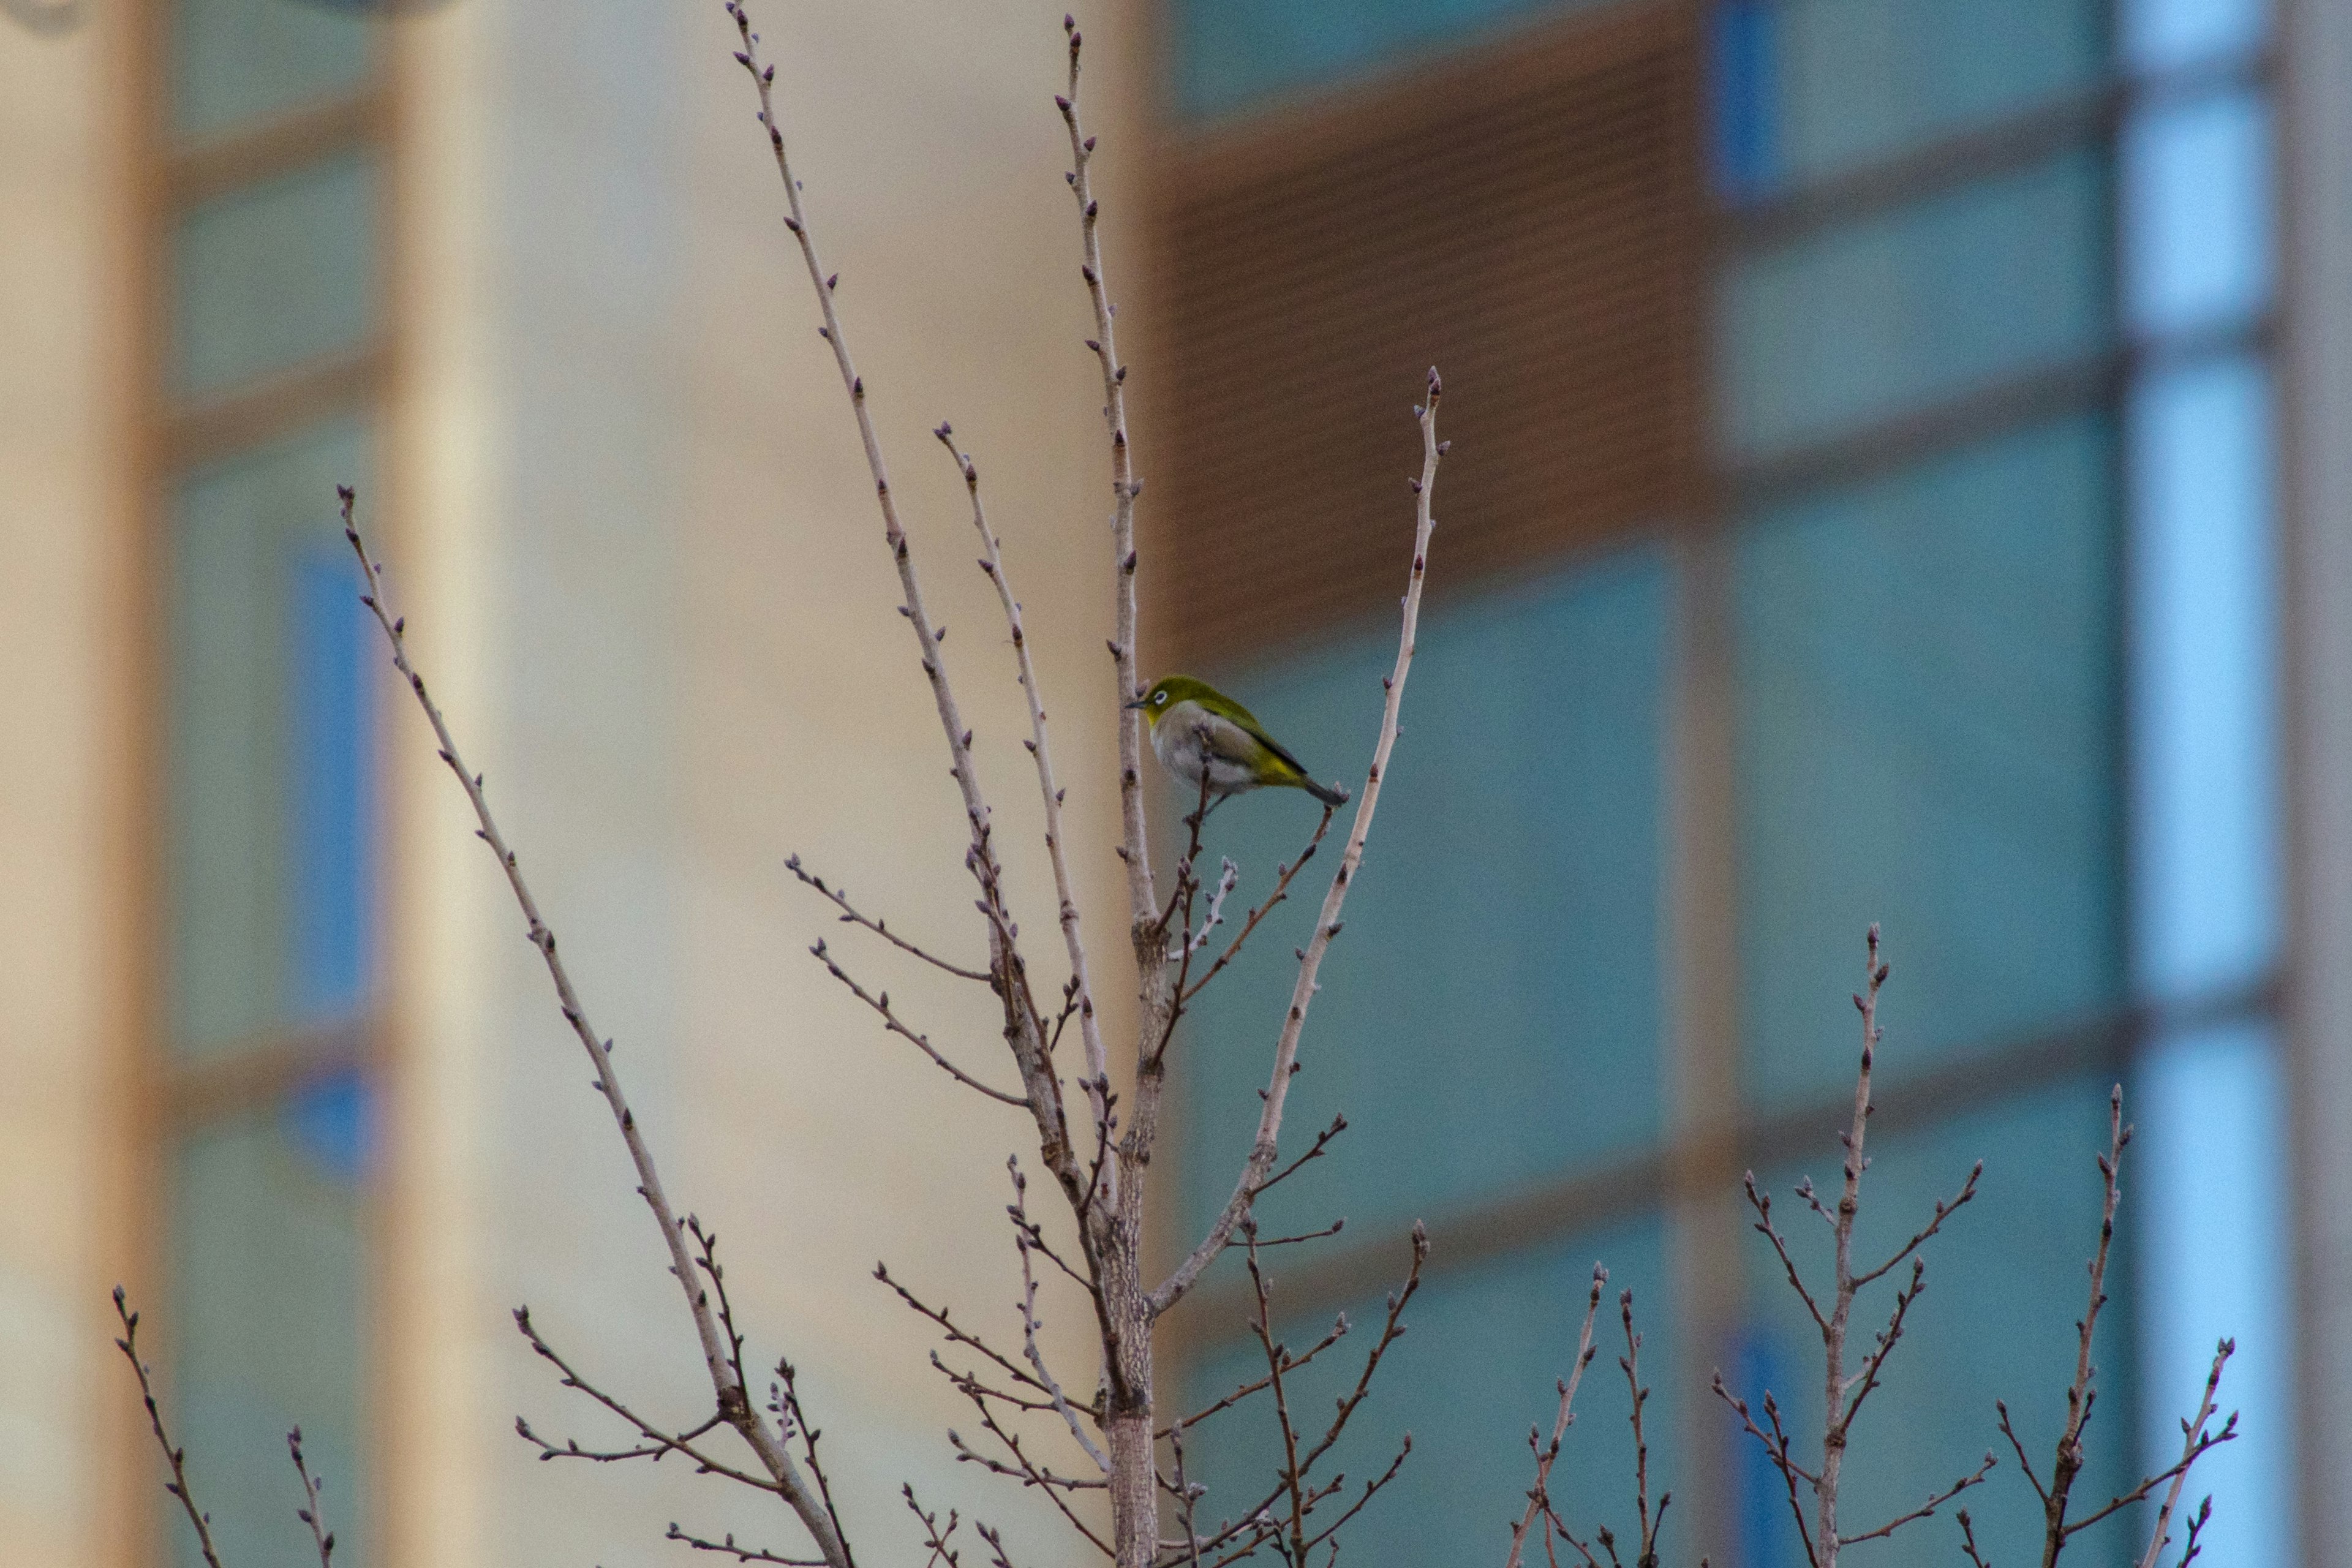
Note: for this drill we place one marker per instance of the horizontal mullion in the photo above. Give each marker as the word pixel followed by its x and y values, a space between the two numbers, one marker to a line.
pixel 2015 403
pixel 284 401
pixel 1979 153
pixel 1531 1217
pixel 197 173
pixel 250 1074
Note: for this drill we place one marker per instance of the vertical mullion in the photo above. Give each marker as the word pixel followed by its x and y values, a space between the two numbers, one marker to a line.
pixel 1702 1056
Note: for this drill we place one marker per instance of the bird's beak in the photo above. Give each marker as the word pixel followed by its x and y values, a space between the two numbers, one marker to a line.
pixel 1137 703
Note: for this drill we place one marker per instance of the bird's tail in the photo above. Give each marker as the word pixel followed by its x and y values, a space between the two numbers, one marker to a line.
pixel 1330 795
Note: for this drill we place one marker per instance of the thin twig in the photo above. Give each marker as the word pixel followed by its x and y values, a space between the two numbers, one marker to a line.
pixel 1283 876
pixel 2193 1443
pixel 1539 1495
pixel 176 1458
pixel 1969 1542
pixel 312 1513
pixel 1266 1147
pixel 741 1553
pixel 1023 1028
pixel 1019 1209
pixel 666 1442
pixel 892 1022
pixel 1650 1523
pixel 733 1404
pixel 850 916
pixel 1040 752
pixel 1926 1509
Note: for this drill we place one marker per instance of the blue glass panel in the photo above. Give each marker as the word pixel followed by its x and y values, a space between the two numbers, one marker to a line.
pixel 332 1121
pixel 1740 82
pixel 330 773
pixel 269 908
pixel 2205 701
pixel 1855 82
pixel 1857 325
pixel 1490 1015
pixel 2006 1283
pixel 2213 1218
pixel 266 1332
pixel 1478 1368
pixel 1231 54
pixel 1927 697
pixel 2163 35
pixel 2197 213
pixel 274 274
pixel 237 61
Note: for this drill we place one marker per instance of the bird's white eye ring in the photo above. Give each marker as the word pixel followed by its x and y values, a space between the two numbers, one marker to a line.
pixel 1159 700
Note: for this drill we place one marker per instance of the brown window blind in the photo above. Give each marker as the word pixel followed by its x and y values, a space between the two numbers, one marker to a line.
pixel 1529 219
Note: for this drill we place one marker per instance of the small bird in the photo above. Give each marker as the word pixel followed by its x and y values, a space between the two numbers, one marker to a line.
pixel 1196 729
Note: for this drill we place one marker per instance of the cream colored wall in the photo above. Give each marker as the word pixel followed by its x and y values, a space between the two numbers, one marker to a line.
pixel 65 1397
pixel 642 560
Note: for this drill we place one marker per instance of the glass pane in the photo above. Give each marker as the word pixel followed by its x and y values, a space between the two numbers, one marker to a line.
pixel 1927 711
pixel 2205 633
pixel 274 274
pixel 1846 83
pixel 266 1334
pixel 2197 213
pixel 237 60
pixel 2006 1283
pixel 271 772
pixel 2214 1226
pixel 2163 35
pixel 1858 324
pixel 1491 1015
pixel 1230 55
pixel 1479 1366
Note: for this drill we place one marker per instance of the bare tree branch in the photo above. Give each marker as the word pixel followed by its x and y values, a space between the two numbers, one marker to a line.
pixel 728 1547
pixel 177 1457
pixel 733 1404
pixel 850 916
pixel 1264 1149
pixel 659 1441
pixel 1041 752
pixel 1650 1523
pixel 1023 1028
pixel 1539 1495
pixel 2193 1443
pixel 1022 1230
pixel 1926 1509
pixel 1283 876
pixel 312 1513
pixel 892 1022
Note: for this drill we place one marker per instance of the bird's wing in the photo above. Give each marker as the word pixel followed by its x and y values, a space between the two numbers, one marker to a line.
pixel 1248 724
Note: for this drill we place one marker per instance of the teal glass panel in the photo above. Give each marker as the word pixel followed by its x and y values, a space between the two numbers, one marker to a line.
pixel 234 62
pixel 1490 1015
pixel 1848 83
pixel 1231 54
pixel 1480 1365
pixel 2213 1218
pixel 274 274
pixel 2196 214
pixel 1841 328
pixel 1927 736
pixel 271 778
pixel 2006 1283
pixel 267 1332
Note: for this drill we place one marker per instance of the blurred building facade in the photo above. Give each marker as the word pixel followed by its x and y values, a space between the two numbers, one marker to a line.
pixel 1894 480
pixel 1876 430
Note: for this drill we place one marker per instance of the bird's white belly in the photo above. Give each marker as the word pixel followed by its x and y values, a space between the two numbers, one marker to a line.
pixel 1182 742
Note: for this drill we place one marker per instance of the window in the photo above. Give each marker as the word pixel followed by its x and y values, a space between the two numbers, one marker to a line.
pixel 1967 577
pixel 266 360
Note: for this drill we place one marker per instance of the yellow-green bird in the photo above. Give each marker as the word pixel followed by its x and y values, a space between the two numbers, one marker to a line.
pixel 1197 729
